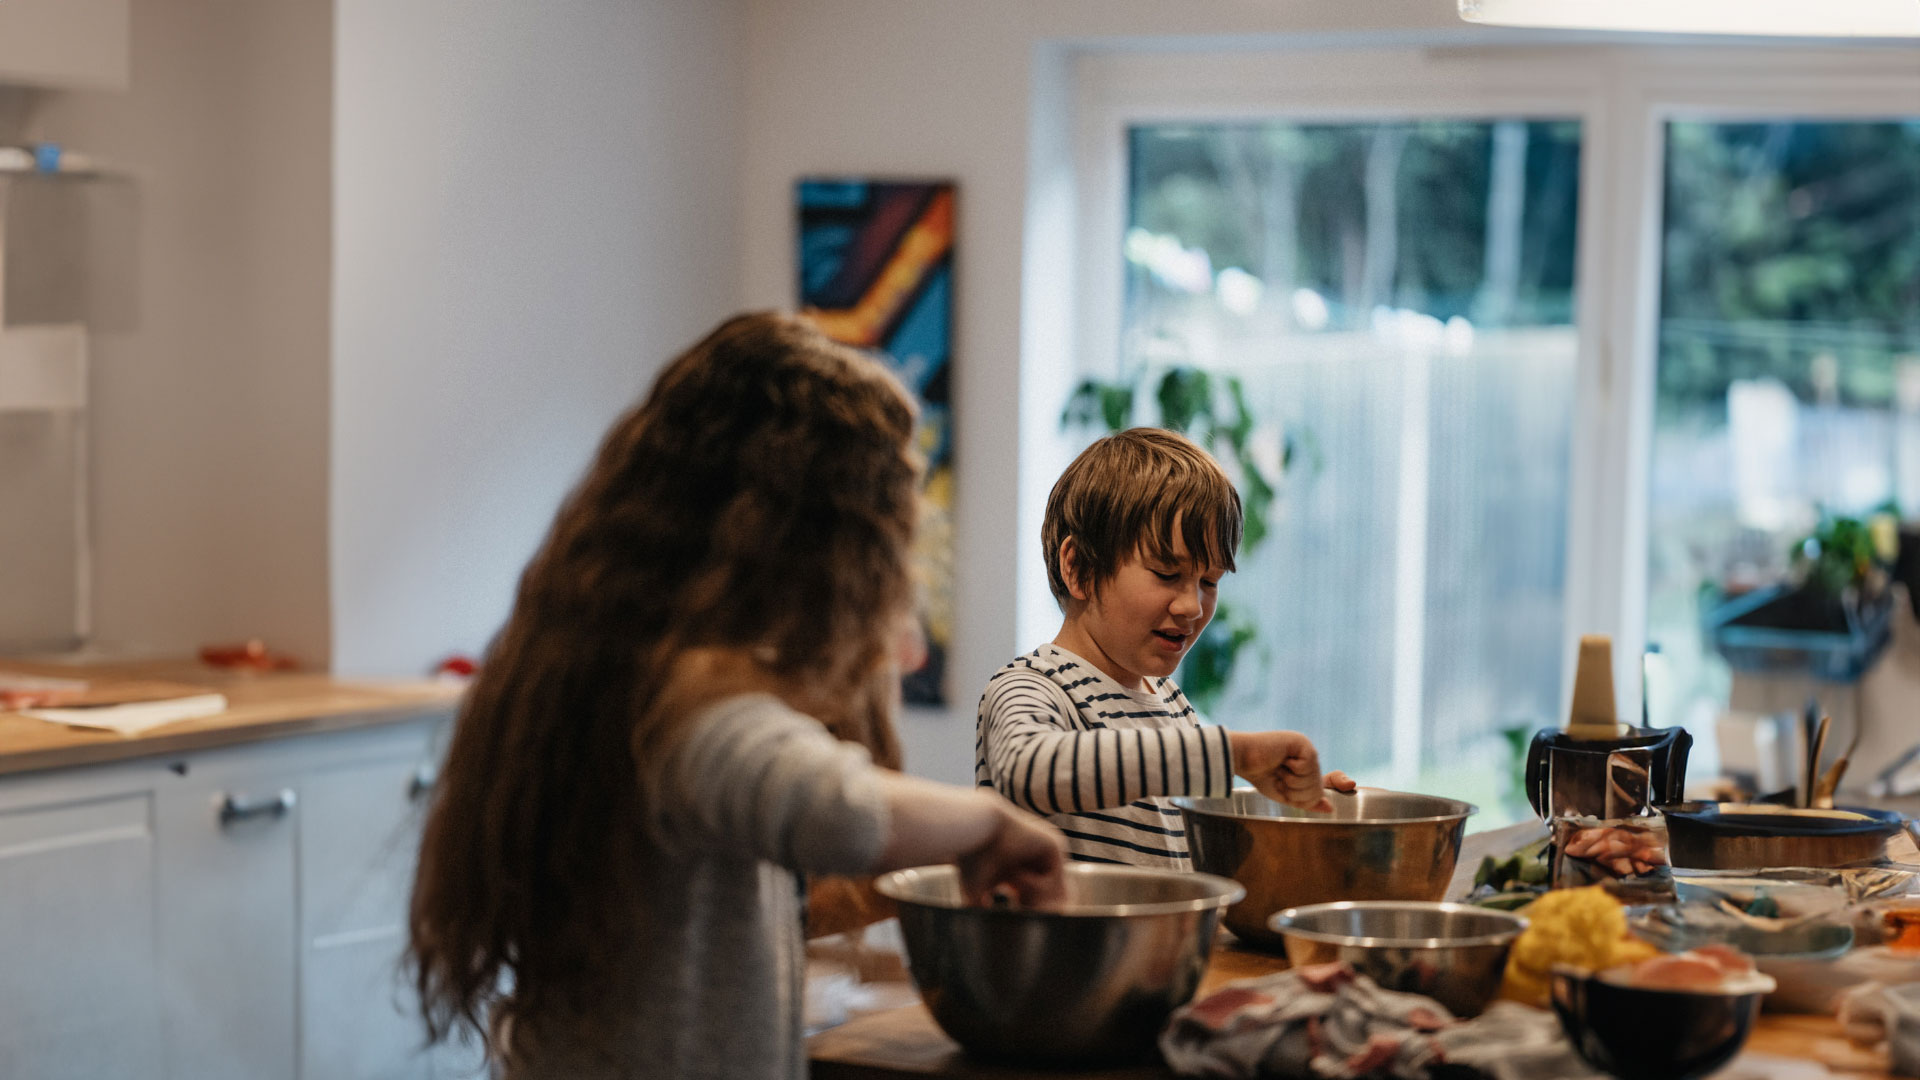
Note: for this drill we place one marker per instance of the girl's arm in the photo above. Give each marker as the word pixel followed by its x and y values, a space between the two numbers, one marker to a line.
pixel 754 777
pixel 994 843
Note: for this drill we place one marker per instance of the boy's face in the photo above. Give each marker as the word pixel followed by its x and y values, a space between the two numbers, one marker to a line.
pixel 1143 621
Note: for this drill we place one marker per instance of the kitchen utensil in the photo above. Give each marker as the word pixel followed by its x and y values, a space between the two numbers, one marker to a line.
pixel 1566 775
pixel 1830 780
pixel 1453 953
pixel 1374 845
pixel 1638 1033
pixel 1093 981
pixel 1815 750
pixel 1729 836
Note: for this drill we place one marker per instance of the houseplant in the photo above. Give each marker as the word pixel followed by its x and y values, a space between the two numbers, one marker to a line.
pixel 1829 619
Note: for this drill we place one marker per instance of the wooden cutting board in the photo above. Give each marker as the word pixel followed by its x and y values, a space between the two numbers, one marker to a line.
pixel 102 693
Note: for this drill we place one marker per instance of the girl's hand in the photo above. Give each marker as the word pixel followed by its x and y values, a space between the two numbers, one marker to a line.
pixel 1024 857
pixel 1342 783
pixel 1284 766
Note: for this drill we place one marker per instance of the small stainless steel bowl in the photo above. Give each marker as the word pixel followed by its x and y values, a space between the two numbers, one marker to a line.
pixel 1453 953
pixel 1091 982
pixel 1374 845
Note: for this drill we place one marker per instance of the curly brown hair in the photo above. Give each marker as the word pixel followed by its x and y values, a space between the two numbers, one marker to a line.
pixel 1126 494
pixel 760 498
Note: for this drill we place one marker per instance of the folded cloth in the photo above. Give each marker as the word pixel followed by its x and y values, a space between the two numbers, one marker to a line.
pixel 1328 1023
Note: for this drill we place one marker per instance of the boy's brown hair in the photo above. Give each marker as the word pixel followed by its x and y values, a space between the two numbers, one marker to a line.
pixel 1128 493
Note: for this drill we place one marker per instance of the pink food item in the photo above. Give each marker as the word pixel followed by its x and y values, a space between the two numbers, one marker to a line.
pixel 1729 959
pixel 1682 972
pixel 1715 969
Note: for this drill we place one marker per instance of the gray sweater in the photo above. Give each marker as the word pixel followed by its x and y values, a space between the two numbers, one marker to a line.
pixel 715 963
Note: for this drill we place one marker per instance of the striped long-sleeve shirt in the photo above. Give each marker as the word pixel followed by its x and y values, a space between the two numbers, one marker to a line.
pixel 1058 737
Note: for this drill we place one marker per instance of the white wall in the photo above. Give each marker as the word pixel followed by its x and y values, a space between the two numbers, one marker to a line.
pixel 207 282
pixel 533 208
pixel 937 88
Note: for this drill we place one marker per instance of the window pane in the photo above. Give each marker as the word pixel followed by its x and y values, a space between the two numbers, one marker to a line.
pixel 1397 300
pixel 1789 363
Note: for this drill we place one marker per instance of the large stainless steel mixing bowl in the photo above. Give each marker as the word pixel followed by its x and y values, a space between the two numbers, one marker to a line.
pixel 1375 845
pixel 1092 982
pixel 1453 953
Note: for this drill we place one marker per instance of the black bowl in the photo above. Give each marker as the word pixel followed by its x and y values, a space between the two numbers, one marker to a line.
pixel 1642 1034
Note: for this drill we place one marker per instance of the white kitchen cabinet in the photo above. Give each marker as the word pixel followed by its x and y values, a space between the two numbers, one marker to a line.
pixel 81 44
pixel 237 912
pixel 227 919
pixel 78 993
pixel 359 834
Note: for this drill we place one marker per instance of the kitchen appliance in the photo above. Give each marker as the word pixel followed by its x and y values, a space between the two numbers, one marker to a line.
pixel 1093 981
pixel 1609 778
pixel 1373 845
pixel 1453 953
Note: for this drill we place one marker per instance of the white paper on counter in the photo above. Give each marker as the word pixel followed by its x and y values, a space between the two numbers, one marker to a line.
pixel 134 718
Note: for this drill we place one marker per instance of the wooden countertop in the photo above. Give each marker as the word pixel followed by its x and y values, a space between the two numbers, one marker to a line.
pixel 906 1044
pixel 260 705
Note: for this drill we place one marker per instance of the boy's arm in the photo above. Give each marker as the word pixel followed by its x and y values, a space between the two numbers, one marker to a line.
pixel 1034 754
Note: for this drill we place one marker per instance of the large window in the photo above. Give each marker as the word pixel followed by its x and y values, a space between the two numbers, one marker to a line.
pixel 1789 362
pixel 1548 339
pixel 1396 299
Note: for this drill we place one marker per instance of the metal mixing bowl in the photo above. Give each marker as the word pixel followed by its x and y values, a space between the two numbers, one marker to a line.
pixel 1375 845
pixel 1092 982
pixel 1453 953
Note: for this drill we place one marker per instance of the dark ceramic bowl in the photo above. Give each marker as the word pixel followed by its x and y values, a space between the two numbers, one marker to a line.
pixel 1637 1033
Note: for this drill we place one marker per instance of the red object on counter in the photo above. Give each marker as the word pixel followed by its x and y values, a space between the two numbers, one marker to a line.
pixel 251 656
pixel 458 666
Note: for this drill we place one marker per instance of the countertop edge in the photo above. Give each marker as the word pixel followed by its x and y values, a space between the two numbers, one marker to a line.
pixel 108 748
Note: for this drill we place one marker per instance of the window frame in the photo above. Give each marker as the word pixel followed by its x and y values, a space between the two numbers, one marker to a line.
pixel 1622 96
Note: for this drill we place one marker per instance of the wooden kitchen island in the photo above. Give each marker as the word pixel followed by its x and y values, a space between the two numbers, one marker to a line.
pixel 906 1044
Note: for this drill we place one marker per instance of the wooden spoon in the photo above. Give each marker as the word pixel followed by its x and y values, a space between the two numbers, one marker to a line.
pixel 1830 780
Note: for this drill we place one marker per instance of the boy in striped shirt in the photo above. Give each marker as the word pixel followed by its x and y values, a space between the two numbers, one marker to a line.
pixel 1090 729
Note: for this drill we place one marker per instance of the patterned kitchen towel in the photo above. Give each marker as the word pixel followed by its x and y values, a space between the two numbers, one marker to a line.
pixel 1329 1023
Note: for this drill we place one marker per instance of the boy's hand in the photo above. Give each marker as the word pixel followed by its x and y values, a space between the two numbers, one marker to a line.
pixel 1284 766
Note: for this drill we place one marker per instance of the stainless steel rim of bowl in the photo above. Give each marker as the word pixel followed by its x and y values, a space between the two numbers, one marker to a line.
pixel 1220 892
pixel 1285 922
pixel 1456 809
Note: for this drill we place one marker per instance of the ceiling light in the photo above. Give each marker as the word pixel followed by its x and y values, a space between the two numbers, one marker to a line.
pixel 1832 18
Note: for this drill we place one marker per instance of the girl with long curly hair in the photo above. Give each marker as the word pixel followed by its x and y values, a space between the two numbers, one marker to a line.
pixel 646 763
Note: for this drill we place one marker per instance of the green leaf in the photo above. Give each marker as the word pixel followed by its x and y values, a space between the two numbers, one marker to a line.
pixel 1186 395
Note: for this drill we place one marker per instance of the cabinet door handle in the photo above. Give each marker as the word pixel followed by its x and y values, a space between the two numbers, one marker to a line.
pixel 421 782
pixel 240 807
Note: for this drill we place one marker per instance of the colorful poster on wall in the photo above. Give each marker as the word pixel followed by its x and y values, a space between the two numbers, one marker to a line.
pixel 876 272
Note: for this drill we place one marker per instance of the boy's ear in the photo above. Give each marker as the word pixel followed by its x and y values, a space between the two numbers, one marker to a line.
pixel 1070 569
